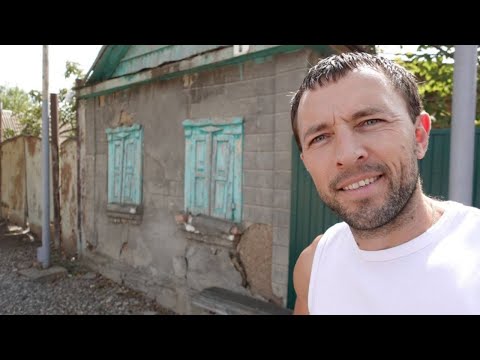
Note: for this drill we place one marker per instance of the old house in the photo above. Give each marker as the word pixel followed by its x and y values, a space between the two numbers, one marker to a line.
pixel 186 168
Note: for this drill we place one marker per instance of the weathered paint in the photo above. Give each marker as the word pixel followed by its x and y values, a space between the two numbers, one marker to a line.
pixel 125 119
pixel 125 154
pixel 221 185
pixel 255 254
pixel 213 167
pixel 33 161
pixel 68 196
pixel 21 182
pixel 211 60
pixel 108 62
pixel 13 194
pixel 142 57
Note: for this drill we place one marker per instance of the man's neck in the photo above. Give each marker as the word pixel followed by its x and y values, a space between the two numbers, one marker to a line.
pixel 417 216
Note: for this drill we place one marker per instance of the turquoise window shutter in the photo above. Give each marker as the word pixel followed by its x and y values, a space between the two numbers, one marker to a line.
pixel 132 166
pixel 125 164
pixel 128 191
pixel 187 196
pixel 235 132
pixel 221 185
pixel 201 176
pixel 213 168
pixel 115 165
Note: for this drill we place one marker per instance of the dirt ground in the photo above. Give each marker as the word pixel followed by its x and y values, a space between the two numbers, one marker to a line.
pixel 80 291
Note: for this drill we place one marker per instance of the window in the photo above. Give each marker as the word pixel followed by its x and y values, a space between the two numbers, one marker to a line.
pixel 125 154
pixel 213 168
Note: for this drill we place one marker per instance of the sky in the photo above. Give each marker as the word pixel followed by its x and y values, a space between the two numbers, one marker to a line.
pixel 21 65
pixel 391 51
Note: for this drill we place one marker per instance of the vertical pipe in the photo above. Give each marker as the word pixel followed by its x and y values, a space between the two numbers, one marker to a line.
pixel 43 254
pixel 79 170
pixel 462 142
pixel 55 171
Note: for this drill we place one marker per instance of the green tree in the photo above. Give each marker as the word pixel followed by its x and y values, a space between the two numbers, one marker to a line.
pixel 31 120
pixel 8 133
pixel 433 66
pixel 67 101
pixel 26 106
pixel 15 99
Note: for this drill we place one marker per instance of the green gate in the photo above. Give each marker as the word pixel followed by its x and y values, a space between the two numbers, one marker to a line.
pixel 309 215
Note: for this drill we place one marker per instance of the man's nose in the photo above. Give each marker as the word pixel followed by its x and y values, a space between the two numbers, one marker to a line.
pixel 349 148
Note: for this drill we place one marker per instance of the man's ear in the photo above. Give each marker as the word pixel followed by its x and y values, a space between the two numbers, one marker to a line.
pixel 426 121
pixel 423 126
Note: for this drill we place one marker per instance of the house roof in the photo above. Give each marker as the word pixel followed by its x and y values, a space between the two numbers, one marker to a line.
pixel 10 121
pixel 119 67
pixel 120 60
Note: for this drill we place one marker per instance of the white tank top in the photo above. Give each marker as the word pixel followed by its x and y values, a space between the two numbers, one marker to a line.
pixel 438 272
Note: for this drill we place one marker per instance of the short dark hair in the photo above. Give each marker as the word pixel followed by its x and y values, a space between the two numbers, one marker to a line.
pixel 334 67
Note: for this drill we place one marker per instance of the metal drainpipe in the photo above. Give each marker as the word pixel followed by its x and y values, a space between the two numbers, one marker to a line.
pixel 462 141
pixel 43 253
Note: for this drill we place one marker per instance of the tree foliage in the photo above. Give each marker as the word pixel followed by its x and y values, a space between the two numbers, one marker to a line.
pixel 28 106
pixel 433 66
pixel 67 101
pixel 14 99
pixel 25 106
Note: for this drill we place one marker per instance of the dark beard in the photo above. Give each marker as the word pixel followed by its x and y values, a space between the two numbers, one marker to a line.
pixel 369 217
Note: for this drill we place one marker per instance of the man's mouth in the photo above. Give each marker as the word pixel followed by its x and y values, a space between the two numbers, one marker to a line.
pixel 361 183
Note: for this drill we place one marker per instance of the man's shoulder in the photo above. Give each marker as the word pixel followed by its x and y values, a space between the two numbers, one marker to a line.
pixel 471 215
pixel 307 254
pixel 309 251
pixel 337 227
pixel 459 217
pixel 472 209
pixel 461 208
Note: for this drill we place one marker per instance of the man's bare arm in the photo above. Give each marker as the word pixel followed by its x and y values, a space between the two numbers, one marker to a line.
pixel 301 277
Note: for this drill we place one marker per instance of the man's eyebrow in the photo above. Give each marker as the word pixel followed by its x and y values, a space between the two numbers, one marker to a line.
pixel 314 129
pixel 368 111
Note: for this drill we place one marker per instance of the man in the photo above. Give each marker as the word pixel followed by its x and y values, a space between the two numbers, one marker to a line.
pixel 360 126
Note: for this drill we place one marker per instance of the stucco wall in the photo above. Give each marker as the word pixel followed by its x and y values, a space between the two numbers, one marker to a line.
pixel 68 196
pixel 34 181
pixel 22 198
pixel 167 265
pixel 13 188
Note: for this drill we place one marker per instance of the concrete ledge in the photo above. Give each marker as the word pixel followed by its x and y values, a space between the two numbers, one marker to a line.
pixel 44 275
pixel 225 302
pixel 210 230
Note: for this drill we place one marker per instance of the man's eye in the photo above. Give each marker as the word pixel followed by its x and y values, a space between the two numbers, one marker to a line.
pixel 318 139
pixel 371 122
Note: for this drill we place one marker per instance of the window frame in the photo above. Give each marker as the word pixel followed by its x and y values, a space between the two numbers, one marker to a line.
pixel 210 131
pixel 123 134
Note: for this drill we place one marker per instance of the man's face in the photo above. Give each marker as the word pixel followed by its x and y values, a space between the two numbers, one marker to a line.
pixel 360 147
